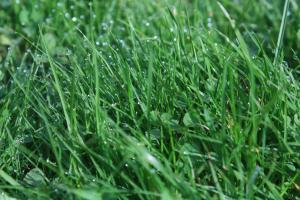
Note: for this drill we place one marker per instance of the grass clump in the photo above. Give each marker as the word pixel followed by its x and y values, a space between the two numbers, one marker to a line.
pixel 149 100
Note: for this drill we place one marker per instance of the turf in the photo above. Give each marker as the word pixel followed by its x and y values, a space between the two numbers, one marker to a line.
pixel 149 99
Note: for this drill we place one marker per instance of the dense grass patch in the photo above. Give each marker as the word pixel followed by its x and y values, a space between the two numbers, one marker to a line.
pixel 148 99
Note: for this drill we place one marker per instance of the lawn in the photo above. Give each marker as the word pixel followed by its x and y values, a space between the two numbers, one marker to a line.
pixel 149 99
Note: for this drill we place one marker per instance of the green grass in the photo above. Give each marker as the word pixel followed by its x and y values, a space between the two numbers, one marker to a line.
pixel 148 99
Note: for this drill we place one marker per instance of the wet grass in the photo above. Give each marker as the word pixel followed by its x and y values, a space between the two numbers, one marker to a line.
pixel 149 99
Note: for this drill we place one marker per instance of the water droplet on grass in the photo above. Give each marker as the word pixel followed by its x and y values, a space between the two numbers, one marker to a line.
pixel 67 15
pixel 151 159
pixel 48 20
pixel 209 22
pixel 69 52
pixel 113 105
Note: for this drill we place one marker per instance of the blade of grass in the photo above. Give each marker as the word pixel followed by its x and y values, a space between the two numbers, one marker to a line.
pixel 281 31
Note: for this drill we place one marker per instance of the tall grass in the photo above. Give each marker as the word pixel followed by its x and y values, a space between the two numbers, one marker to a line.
pixel 148 100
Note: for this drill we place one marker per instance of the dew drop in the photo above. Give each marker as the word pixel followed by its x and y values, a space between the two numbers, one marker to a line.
pixel 74 19
pixel 67 15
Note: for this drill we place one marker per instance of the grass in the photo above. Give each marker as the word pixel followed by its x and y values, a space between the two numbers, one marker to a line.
pixel 282 29
pixel 149 99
